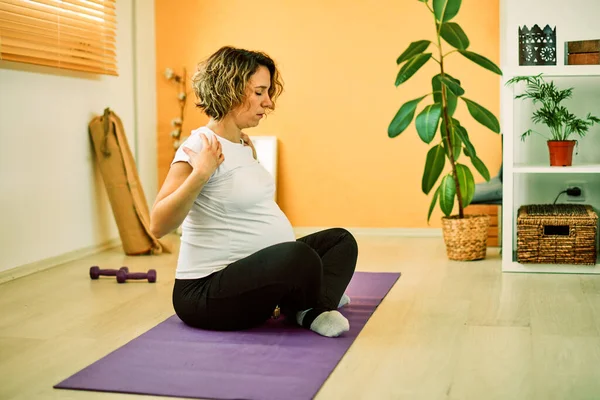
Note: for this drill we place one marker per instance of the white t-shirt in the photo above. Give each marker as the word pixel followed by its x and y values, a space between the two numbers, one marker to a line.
pixel 234 215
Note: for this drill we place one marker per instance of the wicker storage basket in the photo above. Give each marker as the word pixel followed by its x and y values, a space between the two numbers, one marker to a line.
pixel 557 234
pixel 466 238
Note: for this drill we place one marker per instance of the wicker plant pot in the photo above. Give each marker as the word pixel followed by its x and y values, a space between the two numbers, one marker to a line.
pixel 466 238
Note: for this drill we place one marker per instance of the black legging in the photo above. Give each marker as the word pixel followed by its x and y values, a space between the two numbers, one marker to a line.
pixel 312 272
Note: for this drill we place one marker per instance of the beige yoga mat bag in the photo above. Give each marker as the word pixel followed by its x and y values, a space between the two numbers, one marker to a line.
pixel 123 186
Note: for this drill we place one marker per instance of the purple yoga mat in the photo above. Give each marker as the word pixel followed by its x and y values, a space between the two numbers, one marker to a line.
pixel 274 361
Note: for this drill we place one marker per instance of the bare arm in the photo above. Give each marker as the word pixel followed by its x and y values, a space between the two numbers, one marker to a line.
pixel 180 189
pixel 182 186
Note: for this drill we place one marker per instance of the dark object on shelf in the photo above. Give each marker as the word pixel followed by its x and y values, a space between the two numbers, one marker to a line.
pixel 537 46
pixel 582 52
pixel 557 234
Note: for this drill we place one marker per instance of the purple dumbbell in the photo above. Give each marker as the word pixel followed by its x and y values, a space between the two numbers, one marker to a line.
pixel 96 272
pixel 123 276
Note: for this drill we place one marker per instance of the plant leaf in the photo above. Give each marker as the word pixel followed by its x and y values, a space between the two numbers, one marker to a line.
pixel 466 184
pixel 445 10
pixel 526 134
pixel 413 49
pixel 411 66
pixel 464 137
pixel 453 86
pixel 427 122
pixel 403 117
pixel 454 140
pixel 480 167
pixel 444 130
pixel 433 202
pixel 482 115
pixel 482 61
pixel 454 35
pixel 436 85
pixel 456 144
pixel 447 192
pixel 478 164
pixel 436 159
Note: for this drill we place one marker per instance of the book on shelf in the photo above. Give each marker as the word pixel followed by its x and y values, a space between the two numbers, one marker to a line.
pixel 582 52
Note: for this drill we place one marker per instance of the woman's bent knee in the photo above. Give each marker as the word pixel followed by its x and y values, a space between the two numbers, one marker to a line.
pixel 348 239
pixel 301 261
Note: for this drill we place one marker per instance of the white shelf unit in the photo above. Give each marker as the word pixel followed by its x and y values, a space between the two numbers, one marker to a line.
pixel 528 177
pixel 552 268
pixel 554 70
pixel 545 169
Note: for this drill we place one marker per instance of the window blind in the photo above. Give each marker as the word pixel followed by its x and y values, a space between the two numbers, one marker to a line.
pixel 69 34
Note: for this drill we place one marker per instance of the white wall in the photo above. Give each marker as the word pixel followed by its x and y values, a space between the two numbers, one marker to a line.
pixel 145 96
pixel 52 197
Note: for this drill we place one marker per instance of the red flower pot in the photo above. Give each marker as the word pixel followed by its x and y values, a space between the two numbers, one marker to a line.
pixel 561 152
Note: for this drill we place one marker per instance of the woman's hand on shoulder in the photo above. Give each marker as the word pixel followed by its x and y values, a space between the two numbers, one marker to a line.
pixel 205 162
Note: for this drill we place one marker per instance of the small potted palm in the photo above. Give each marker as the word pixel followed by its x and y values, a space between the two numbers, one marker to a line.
pixel 465 235
pixel 561 123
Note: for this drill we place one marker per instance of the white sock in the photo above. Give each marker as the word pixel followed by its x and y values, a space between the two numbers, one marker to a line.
pixel 328 323
pixel 344 300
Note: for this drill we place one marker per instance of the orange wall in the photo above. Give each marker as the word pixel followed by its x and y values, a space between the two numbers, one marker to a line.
pixel 337 165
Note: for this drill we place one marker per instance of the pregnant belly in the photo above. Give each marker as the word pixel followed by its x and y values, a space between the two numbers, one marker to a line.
pixel 268 232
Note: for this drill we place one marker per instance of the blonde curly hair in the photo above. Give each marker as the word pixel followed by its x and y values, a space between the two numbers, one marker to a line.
pixel 220 81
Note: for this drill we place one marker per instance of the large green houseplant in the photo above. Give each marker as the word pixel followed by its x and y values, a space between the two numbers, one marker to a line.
pixel 465 235
pixel 561 123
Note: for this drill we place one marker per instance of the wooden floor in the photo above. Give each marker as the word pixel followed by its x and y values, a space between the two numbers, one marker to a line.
pixel 447 330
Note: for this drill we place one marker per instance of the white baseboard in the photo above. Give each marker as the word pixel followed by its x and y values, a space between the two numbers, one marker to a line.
pixel 400 232
pixel 27 269
pixel 47 263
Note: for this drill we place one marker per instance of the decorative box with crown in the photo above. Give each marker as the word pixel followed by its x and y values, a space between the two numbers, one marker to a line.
pixel 537 46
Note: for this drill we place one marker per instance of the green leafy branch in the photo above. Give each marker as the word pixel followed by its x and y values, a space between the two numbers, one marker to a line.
pixel 453 138
pixel 561 123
